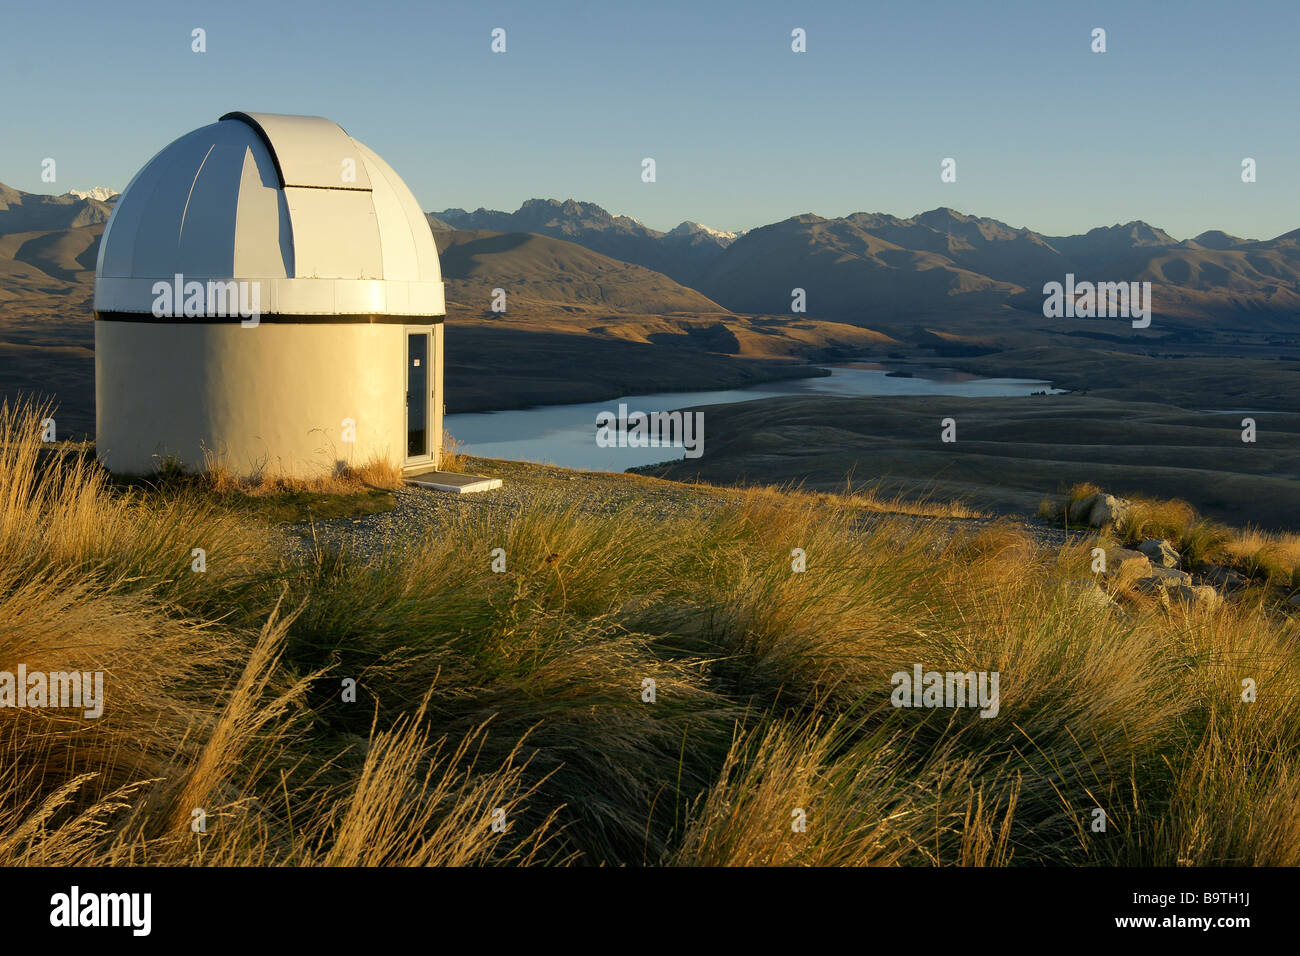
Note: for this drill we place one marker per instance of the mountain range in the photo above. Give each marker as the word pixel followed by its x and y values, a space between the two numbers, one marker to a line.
pixel 873 266
pixel 30 212
pixel 679 254
pixel 863 268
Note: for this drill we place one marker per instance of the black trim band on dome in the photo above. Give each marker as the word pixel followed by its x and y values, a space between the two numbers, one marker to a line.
pixel 270 319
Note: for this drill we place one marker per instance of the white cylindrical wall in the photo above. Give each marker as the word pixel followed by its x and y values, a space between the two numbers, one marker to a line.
pixel 271 398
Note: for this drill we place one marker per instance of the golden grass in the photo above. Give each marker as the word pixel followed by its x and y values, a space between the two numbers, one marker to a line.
pixel 519 696
pixel 201 713
pixel 346 480
pixel 859 499
pixel 1274 555
pixel 1170 518
pixel 451 457
pixel 786 797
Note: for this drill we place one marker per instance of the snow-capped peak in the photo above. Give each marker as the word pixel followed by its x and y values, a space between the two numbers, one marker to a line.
pixel 689 228
pixel 102 193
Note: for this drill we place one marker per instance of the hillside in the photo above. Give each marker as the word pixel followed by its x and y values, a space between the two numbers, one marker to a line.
pixel 32 212
pixel 680 253
pixel 540 271
pixel 648 681
pixel 1008 451
pixel 848 274
pixel 875 267
pixel 941 286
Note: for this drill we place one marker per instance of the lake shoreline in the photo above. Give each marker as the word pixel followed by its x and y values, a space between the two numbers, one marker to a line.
pixel 567 434
pixel 577 393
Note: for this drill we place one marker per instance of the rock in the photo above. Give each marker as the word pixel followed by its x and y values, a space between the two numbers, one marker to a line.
pixel 1099 510
pixel 1162 579
pixel 1126 565
pixel 1092 594
pixel 1223 577
pixel 1170 577
pixel 1160 552
pixel 1195 596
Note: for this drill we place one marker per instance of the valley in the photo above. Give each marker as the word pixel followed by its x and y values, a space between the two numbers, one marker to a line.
pixel 563 303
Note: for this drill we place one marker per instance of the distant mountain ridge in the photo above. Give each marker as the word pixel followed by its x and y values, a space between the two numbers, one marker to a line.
pixel 866 265
pixel 33 212
pixel 679 254
pixel 860 266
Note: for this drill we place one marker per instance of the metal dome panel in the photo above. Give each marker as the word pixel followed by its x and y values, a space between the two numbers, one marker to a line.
pixel 309 151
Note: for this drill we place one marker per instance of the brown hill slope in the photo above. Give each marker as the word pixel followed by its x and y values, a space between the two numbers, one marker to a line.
pixel 538 270
pixel 34 212
pixel 870 266
pixel 49 269
pixel 847 272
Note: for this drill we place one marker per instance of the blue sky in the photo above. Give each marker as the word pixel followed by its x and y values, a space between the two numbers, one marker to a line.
pixel 1046 133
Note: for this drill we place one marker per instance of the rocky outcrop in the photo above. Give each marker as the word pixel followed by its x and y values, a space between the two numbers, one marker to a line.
pixel 1195 596
pixel 1153 570
pixel 1100 511
pixel 1170 577
pixel 1160 552
pixel 1124 566
pixel 1225 578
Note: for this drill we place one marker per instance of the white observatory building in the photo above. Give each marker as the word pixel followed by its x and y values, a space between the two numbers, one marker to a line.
pixel 268 299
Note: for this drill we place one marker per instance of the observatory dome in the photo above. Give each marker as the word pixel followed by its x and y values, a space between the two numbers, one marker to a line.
pixel 293 201
pixel 268 299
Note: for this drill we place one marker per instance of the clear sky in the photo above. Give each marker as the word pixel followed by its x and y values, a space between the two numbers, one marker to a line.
pixel 1046 133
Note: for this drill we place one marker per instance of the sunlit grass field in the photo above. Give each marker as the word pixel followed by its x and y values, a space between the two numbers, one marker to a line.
pixel 630 690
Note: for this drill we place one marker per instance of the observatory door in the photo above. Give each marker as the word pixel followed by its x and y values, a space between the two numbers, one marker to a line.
pixel 417 395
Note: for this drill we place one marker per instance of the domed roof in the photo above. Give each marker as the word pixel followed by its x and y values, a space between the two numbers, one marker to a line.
pixel 316 218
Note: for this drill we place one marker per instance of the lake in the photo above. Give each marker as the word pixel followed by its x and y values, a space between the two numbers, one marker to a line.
pixel 565 435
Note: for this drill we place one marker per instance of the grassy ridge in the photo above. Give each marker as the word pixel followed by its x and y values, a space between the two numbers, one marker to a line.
pixel 523 691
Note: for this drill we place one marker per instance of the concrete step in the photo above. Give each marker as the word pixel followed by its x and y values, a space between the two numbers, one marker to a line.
pixel 450 481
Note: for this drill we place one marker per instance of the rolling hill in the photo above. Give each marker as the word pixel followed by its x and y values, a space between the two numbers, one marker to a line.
pixel 33 212
pixel 536 270
pixel 680 253
pixel 847 272
pixel 869 265
pixel 876 267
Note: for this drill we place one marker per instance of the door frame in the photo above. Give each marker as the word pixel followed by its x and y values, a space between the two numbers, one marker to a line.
pixel 427 458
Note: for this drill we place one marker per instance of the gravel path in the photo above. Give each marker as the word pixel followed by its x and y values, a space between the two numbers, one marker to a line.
pixel 420 511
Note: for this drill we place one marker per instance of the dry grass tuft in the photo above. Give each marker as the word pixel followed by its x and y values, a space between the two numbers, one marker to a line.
pixel 345 480
pixel 450 457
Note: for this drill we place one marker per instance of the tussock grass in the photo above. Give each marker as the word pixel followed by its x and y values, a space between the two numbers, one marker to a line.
pixel 1273 556
pixel 865 499
pixel 1159 518
pixel 451 456
pixel 349 490
pixel 344 480
pixel 628 689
